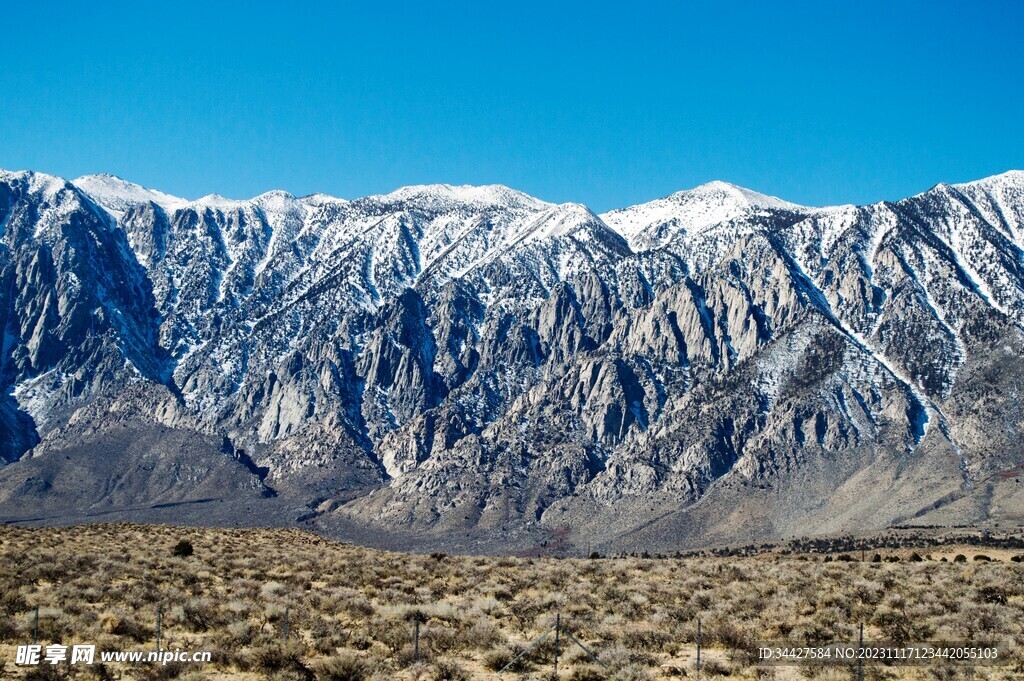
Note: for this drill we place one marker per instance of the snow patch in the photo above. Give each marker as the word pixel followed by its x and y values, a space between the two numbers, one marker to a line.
pixel 117 196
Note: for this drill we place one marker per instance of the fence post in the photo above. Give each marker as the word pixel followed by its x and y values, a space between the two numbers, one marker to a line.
pixel 416 638
pixel 558 630
pixel 286 625
pixel 159 617
pixel 35 636
pixel 860 659
pixel 698 648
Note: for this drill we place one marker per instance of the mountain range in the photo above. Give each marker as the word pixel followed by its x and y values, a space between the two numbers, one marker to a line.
pixel 476 369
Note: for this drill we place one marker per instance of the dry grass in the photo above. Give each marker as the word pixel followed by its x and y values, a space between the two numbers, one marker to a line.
pixel 351 611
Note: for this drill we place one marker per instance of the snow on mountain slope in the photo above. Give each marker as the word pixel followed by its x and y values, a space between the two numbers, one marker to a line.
pixel 559 221
pixel 653 224
pixel 117 195
pixel 562 243
pixel 74 301
pixel 444 196
pixel 452 227
pixel 57 200
pixel 1000 200
pixel 977 225
pixel 477 348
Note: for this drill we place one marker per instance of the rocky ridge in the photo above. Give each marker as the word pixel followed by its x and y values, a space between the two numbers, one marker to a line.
pixel 474 365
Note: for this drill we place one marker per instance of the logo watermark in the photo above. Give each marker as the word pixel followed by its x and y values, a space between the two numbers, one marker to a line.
pixel 880 653
pixel 86 654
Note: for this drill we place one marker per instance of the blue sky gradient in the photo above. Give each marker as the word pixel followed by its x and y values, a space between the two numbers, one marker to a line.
pixel 608 104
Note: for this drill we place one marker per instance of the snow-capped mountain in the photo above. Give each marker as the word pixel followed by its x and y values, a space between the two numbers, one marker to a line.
pixel 654 224
pixel 480 366
pixel 116 195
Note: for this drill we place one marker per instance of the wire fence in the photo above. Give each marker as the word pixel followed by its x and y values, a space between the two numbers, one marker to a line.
pixel 562 633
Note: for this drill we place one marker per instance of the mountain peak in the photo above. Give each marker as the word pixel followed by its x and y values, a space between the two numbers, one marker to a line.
pixel 215 201
pixel 276 200
pixel 118 195
pixel 478 195
pixel 49 184
pixel 321 199
pixel 722 192
pixel 648 225
pixel 275 194
pixel 1010 178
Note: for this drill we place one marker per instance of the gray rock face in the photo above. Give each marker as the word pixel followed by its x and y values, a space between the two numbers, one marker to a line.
pixel 472 362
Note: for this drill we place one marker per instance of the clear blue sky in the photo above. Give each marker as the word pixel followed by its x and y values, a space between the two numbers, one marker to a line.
pixel 604 103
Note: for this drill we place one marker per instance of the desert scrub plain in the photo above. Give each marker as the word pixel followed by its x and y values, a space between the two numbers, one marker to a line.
pixel 351 611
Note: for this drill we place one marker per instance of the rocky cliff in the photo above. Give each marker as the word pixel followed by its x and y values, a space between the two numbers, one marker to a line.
pixel 473 367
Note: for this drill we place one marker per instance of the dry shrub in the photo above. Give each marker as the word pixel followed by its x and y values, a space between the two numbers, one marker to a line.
pixel 281 662
pixel 343 667
pixel 199 615
pixel 619 658
pixel 393 633
pixel 715 667
pixel 443 639
pixel 449 670
pixel 9 630
pixel 162 672
pixel 483 634
pixel 496 659
pixel 12 602
pixel 646 638
pixel 420 671
pixel 46 672
pixel 120 624
pixel 636 615
pixel 633 672
pixel 588 672
pixel 729 635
